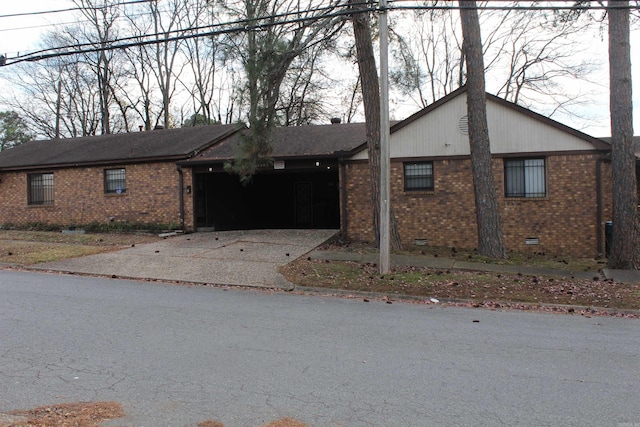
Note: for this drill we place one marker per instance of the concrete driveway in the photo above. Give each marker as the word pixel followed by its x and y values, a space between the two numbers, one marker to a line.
pixel 244 258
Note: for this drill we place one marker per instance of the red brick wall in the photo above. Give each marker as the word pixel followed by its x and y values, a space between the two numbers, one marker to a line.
pixel 565 221
pixel 189 219
pixel 151 198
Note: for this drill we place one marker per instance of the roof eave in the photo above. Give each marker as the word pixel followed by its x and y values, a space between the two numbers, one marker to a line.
pixel 163 159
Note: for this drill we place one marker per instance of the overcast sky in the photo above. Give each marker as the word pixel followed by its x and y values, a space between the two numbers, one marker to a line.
pixel 21 34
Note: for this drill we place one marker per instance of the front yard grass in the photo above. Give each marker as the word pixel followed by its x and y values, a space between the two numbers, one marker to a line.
pixel 23 247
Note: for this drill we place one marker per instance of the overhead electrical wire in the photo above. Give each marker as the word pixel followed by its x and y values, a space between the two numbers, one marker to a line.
pixel 71 9
pixel 258 23
pixel 163 37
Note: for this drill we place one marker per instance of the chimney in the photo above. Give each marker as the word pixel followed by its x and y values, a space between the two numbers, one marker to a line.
pixel 141 128
pixel 158 127
pixel 336 120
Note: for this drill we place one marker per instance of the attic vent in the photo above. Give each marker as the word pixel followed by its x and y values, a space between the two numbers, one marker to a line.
pixel 463 125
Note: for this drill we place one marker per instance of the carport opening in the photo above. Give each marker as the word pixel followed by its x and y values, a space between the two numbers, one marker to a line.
pixel 274 199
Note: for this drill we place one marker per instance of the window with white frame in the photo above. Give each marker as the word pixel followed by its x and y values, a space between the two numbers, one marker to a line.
pixel 40 188
pixel 525 178
pixel 418 176
pixel 115 181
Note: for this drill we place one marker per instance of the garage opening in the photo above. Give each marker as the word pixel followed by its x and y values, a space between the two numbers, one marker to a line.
pixel 273 199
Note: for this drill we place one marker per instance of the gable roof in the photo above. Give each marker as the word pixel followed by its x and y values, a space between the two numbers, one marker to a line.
pixel 597 143
pixel 156 145
pixel 328 141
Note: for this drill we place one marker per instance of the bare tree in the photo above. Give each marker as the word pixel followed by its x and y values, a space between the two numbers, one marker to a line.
pixel 57 97
pixel 490 238
pixel 301 95
pixel 166 52
pixel 206 60
pixel 530 56
pixel 141 98
pixel 102 16
pixel 428 55
pixel 625 251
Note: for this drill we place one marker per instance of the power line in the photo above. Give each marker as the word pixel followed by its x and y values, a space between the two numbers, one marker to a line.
pixel 72 9
pixel 163 37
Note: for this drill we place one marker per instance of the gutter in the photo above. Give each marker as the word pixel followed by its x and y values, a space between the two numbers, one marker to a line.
pixel 342 183
pixel 599 230
pixel 181 194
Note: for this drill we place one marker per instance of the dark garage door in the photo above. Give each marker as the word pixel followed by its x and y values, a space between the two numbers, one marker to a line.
pixel 274 199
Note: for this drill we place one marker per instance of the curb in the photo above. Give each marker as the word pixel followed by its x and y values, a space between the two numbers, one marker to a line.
pixel 493 305
pixel 276 287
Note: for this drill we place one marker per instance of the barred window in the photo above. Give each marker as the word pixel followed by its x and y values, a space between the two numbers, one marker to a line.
pixel 115 181
pixel 418 176
pixel 525 178
pixel 40 191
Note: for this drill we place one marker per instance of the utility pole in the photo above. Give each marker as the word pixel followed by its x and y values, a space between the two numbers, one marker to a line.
pixel 385 162
pixel 58 105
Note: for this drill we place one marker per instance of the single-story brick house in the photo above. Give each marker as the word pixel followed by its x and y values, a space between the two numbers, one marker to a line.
pixel 129 177
pixel 553 181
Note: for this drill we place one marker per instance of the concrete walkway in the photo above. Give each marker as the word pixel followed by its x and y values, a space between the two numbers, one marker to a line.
pixel 239 258
pixel 252 258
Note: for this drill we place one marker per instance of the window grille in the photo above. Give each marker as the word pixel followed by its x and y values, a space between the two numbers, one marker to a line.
pixel 40 190
pixel 418 176
pixel 115 181
pixel 525 178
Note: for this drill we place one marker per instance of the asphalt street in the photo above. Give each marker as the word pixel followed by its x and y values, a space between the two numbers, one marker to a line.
pixel 178 355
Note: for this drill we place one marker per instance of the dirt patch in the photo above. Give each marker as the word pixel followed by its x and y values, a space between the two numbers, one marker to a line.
pixel 92 414
pixel 83 414
pixel 479 288
pixel 531 259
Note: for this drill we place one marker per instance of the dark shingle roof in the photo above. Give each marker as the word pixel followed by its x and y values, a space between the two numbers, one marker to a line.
pixel 332 140
pixel 165 144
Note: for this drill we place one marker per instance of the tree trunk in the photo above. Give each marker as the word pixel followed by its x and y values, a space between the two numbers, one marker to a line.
pixel 625 247
pixel 371 100
pixel 490 238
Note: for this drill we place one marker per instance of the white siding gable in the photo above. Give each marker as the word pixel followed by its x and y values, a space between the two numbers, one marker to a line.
pixel 438 133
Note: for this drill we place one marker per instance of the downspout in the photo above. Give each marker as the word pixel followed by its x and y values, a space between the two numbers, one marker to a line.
pixel 181 194
pixel 342 183
pixel 600 246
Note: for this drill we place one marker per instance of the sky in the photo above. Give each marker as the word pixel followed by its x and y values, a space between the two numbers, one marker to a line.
pixel 21 34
